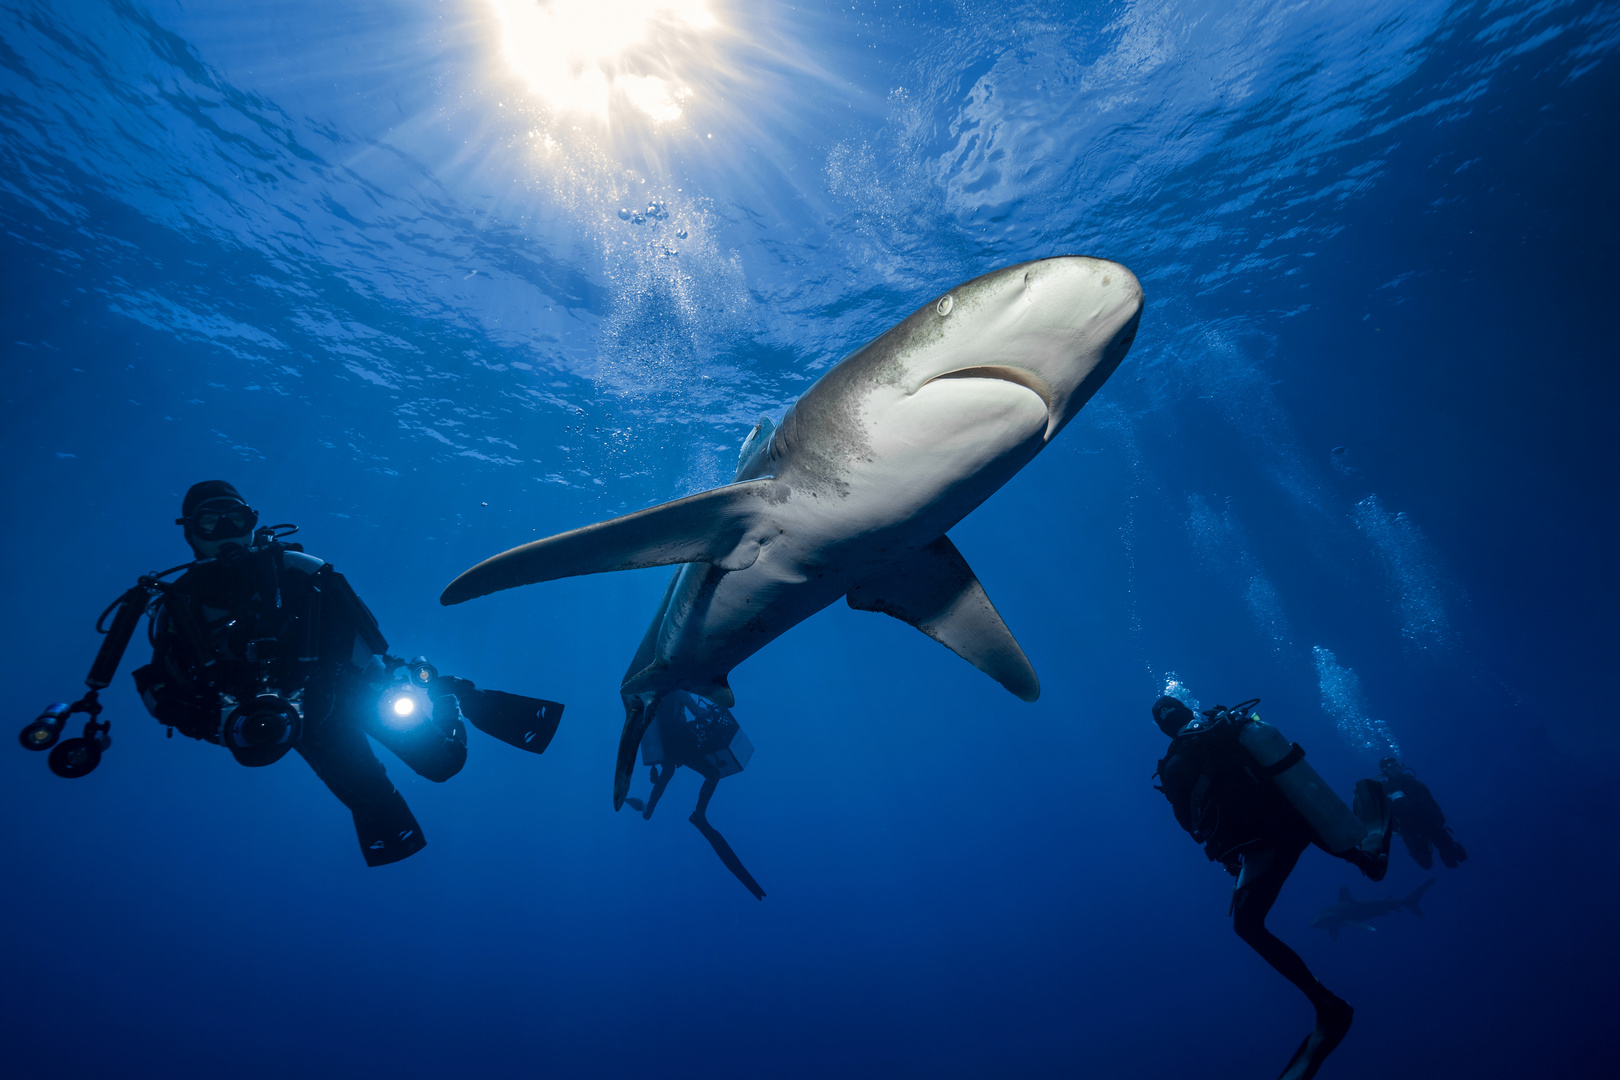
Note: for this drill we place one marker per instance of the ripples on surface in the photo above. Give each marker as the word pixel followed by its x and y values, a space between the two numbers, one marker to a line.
pixel 442 270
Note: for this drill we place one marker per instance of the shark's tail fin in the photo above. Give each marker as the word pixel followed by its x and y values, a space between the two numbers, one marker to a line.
pixel 1415 897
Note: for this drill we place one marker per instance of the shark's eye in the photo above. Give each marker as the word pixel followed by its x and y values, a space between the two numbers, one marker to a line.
pixel 945 305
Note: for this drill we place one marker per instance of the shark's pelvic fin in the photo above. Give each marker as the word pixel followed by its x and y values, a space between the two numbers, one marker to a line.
pixel 935 591
pixel 711 527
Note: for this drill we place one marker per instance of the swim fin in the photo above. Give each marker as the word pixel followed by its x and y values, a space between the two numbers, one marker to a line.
pixel 524 722
pixel 1332 1024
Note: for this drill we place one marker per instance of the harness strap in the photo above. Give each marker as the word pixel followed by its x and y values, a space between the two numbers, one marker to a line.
pixel 1284 763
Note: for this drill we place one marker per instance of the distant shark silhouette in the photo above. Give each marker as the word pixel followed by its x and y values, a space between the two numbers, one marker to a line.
pixel 1352 912
pixel 852 494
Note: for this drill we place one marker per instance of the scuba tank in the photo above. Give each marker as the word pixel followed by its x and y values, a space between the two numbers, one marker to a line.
pixel 1336 828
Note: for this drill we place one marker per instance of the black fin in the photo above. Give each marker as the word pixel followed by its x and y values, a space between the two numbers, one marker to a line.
pixel 524 722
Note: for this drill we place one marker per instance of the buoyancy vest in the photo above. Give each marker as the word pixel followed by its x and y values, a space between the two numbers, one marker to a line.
pixel 266 618
pixel 1218 792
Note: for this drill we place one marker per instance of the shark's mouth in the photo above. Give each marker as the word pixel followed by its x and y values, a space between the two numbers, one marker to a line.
pixel 1017 376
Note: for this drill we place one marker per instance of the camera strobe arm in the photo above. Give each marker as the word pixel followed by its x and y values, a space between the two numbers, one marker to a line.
pixel 76 757
pixel 131 606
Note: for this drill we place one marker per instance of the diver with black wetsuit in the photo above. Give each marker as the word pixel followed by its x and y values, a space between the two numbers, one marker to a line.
pixel 1417 817
pixel 263 649
pixel 266 623
pixel 704 737
pixel 1249 798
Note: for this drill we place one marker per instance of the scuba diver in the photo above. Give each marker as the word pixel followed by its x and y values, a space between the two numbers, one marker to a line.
pixel 261 648
pixel 1246 794
pixel 1418 818
pixel 706 738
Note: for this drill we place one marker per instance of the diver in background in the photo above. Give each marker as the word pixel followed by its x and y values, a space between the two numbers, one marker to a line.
pixel 705 737
pixel 277 644
pixel 1236 807
pixel 1418 818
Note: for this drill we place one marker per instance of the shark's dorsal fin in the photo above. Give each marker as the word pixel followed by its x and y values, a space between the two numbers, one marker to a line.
pixel 936 591
pixel 711 526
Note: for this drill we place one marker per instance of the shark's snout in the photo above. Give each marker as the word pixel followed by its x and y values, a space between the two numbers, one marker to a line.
pixel 1068 323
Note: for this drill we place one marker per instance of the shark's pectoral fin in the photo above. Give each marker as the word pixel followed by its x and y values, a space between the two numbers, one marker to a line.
pixel 711 526
pixel 935 590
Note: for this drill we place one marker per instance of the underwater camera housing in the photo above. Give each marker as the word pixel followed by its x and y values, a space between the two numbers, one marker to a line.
pixel 261 731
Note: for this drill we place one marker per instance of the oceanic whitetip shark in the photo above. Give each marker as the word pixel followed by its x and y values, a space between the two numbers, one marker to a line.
pixel 851 495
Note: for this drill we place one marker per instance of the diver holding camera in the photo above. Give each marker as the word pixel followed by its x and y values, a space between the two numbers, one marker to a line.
pixel 262 649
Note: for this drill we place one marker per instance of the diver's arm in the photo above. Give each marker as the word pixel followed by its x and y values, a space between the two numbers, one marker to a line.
pixel 1178 775
pixel 347 631
pixel 170 688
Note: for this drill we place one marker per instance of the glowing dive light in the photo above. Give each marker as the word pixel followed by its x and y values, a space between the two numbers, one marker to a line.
pixel 404 705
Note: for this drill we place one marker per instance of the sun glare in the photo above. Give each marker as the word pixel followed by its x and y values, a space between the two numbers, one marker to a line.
pixel 570 52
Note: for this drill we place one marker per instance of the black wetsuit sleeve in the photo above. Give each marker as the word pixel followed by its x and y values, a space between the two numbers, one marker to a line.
pixel 348 626
pixel 173 688
pixel 1178 776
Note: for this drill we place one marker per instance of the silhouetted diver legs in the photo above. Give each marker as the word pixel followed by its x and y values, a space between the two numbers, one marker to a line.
pixel 711 780
pixel 660 781
pixel 718 842
pixel 1258 886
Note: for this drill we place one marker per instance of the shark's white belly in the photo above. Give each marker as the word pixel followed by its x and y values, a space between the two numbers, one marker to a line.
pixel 931 457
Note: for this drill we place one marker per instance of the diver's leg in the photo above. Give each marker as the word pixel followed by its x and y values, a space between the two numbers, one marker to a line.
pixel 660 782
pixel 1257 889
pixel 700 819
pixel 338 752
pixel 435 747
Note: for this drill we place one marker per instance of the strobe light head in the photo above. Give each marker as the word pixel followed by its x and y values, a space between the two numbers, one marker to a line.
pixel 420 672
pixel 46 729
pixel 73 758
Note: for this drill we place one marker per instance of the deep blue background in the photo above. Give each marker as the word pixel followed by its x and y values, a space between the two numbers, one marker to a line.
pixel 321 250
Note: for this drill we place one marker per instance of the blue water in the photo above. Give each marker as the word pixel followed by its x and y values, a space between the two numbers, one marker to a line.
pixel 1359 462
